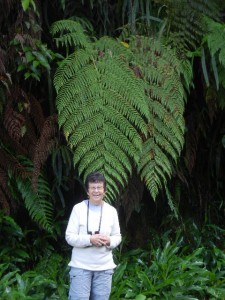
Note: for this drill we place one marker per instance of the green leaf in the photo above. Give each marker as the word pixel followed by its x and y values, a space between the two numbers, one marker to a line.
pixel 29 56
pixel 25 4
pixel 140 297
pixel 27 75
pixel 36 63
pixel 21 67
pixel 42 59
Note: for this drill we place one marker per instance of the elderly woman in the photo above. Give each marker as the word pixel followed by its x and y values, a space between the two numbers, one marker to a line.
pixel 93 231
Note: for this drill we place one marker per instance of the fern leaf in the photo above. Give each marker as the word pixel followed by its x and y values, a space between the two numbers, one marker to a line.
pixel 112 47
pixel 44 145
pixel 165 93
pixel 186 22
pixel 216 39
pixel 71 34
pixel 171 203
pixel 70 66
pixel 38 204
pixel 103 110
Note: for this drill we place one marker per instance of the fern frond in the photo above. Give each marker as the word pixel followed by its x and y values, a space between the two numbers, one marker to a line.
pixel 186 22
pixel 103 110
pixel 186 72
pixel 70 66
pixel 171 203
pixel 43 147
pixel 10 162
pixel 13 122
pixel 37 113
pixel 165 93
pixel 38 204
pixel 216 39
pixel 71 34
pixel 112 47
pixel 51 265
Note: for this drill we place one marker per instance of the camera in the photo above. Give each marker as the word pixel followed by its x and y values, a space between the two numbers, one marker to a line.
pixel 90 232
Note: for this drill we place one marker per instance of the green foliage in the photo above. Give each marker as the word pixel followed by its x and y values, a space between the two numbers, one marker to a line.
pixel 215 40
pixel 22 247
pixel 33 58
pixel 27 3
pixel 161 72
pixel 212 53
pixel 38 203
pixel 107 111
pixel 102 110
pixel 12 242
pixel 30 267
pixel 185 21
pixel 189 266
pixel 70 33
pixel 54 267
pixel 171 271
pixel 29 285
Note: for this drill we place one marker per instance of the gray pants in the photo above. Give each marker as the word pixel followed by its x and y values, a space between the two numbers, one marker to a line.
pixel 90 285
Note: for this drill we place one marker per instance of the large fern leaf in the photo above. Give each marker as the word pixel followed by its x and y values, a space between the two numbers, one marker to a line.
pixel 165 93
pixel 103 111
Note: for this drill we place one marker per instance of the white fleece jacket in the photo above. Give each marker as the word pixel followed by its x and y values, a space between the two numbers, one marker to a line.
pixel 84 254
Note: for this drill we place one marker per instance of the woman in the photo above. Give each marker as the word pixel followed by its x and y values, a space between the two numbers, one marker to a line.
pixel 93 231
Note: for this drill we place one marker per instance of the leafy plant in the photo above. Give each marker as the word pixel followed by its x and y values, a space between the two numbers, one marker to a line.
pixel 55 267
pixel 184 21
pixel 169 272
pixel 161 72
pixel 102 110
pixel 214 40
pixel 113 120
pixel 29 285
pixel 12 242
pixel 34 58
pixel 30 267
pixel 39 204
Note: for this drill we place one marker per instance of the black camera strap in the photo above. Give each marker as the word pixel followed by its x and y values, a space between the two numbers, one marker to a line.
pixel 100 220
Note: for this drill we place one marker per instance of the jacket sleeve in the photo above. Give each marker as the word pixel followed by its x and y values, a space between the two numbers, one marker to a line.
pixel 73 237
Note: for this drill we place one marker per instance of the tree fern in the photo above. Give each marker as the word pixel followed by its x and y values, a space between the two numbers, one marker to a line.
pixel 103 111
pixel 161 72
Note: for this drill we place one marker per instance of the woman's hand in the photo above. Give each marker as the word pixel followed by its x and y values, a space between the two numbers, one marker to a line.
pixel 99 240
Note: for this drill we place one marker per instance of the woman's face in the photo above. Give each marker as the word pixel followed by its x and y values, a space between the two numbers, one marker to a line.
pixel 96 192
